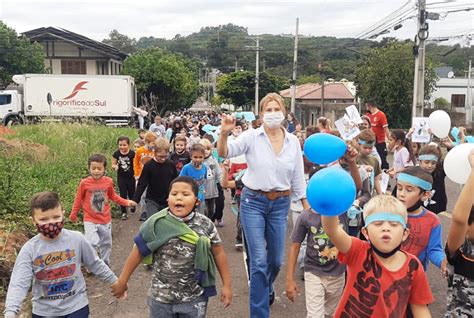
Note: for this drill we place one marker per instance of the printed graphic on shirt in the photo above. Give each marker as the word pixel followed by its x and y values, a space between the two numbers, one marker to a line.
pixel 125 163
pixel 54 258
pixel 58 288
pixel 322 244
pixel 98 201
pixel 367 288
pixel 56 273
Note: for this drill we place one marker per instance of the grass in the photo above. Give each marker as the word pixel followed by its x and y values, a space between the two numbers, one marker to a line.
pixel 59 170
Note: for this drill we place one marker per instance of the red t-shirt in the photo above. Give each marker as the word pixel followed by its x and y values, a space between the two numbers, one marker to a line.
pixel 378 121
pixel 93 197
pixel 374 291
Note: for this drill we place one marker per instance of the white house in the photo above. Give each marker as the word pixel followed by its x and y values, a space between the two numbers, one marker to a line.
pixel 66 52
pixel 454 90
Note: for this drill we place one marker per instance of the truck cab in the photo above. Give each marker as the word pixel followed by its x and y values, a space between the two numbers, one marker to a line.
pixel 11 107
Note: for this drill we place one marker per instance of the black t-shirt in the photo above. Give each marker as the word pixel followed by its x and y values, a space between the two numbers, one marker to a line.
pixel 125 164
pixel 156 178
pixel 180 159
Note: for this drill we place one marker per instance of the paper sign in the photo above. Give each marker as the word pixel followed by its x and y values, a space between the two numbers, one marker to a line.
pixel 347 128
pixel 384 178
pixel 353 114
pixel 421 130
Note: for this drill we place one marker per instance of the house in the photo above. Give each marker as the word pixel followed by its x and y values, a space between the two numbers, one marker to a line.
pixel 66 52
pixel 313 101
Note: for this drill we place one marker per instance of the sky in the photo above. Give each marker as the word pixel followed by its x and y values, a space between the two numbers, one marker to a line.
pixel 165 19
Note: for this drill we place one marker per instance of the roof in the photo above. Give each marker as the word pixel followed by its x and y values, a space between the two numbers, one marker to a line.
pixel 443 71
pixel 51 33
pixel 313 91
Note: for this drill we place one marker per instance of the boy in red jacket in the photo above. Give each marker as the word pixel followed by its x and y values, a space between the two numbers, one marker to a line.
pixel 93 197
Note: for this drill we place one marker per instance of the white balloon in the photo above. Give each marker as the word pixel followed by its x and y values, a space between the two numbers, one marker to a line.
pixel 440 123
pixel 456 164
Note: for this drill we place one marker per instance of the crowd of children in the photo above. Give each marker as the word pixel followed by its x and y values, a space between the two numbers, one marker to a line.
pixel 368 262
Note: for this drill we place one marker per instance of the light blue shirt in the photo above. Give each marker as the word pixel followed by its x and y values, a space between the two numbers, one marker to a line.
pixel 266 170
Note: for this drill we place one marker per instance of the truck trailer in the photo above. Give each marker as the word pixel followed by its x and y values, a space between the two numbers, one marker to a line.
pixel 49 97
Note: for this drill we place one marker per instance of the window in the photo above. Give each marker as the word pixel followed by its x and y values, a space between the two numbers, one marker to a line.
pixel 458 100
pixel 5 99
pixel 73 67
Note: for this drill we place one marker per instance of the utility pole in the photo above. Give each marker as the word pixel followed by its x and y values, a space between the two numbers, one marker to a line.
pixel 419 52
pixel 295 65
pixel 257 55
pixel 320 68
pixel 469 97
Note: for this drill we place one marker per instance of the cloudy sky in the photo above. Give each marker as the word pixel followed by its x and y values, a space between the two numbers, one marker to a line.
pixel 340 18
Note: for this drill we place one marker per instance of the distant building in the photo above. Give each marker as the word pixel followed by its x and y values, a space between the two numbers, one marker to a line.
pixel 66 52
pixel 454 90
pixel 309 99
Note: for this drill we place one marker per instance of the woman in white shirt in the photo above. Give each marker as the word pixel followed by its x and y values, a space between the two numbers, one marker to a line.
pixel 273 179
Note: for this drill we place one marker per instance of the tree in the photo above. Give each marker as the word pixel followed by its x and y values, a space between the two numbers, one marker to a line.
pixel 441 103
pixel 386 75
pixel 164 75
pixel 18 55
pixel 121 42
pixel 238 88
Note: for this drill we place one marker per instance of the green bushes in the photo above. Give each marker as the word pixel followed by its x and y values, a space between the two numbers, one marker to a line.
pixel 26 168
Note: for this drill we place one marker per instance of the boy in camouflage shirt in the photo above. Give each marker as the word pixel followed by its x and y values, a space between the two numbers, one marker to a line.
pixel 179 285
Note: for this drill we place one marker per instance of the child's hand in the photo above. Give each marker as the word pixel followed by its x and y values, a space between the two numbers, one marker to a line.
pixel 73 218
pixel 119 289
pixel 443 269
pixel 226 296
pixel 351 154
pixel 115 167
pixel 291 290
pixel 132 203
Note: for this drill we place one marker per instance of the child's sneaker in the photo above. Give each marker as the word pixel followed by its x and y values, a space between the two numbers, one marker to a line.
pixel 143 217
pixel 220 223
pixel 124 216
pixel 238 245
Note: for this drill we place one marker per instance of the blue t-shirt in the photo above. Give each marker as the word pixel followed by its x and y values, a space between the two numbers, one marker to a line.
pixel 198 175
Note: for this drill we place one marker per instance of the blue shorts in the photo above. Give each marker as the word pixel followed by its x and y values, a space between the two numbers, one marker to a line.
pixel 193 309
pixel 81 313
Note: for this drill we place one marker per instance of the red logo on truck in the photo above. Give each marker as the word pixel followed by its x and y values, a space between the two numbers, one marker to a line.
pixel 77 88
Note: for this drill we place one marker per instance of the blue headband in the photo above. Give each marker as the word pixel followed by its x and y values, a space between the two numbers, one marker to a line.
pixel 386 216
pixel 428 157
pixel 408 178
pixel 366 143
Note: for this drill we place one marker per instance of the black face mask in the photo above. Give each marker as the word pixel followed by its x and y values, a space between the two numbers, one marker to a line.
pixel 385 254
pixel 415 206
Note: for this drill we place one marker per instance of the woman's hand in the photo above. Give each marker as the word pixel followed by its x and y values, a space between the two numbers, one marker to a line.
pixel 227 123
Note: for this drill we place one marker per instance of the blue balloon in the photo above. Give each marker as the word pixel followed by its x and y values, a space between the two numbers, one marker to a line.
pixel 331 191
pixel 324 148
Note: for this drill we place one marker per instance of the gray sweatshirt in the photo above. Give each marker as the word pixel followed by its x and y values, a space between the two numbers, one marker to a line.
pixel 53 268
pixel 214 176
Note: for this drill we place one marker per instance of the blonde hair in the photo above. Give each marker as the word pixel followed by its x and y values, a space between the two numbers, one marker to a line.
pixel 161 144
pixel 385 203
pixel 150 137
pixel 272 97
pixel 206 143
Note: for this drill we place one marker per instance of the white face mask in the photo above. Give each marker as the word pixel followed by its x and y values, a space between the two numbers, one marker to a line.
pixel 273 120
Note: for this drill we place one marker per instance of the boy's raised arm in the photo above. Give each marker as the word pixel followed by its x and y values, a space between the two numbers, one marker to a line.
pixel 462 209
pixel 336 234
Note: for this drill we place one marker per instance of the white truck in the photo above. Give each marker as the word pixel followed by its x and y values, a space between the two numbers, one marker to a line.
pixel 48 97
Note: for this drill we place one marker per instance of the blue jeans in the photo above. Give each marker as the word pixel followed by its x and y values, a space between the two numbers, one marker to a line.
pixel 193 309
pixel 264 223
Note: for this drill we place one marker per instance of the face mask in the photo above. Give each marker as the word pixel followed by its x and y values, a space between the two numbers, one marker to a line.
pixel 385 254
pixel 196 164
pixel 273 119
pixel 415 206
pixel 50 230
